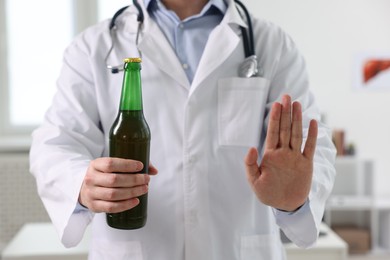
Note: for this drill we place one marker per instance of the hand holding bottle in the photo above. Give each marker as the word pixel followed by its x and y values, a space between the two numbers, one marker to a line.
pixel 104 189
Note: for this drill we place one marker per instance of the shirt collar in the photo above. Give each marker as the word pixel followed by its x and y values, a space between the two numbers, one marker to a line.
pixel 219 4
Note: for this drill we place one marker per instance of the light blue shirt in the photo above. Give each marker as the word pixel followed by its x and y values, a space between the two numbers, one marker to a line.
pixel 187 37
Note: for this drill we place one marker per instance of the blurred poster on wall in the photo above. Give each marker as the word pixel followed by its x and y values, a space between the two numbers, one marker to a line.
pixel 371 71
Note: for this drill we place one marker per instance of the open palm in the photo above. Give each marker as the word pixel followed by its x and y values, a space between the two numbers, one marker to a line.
pixel 283 178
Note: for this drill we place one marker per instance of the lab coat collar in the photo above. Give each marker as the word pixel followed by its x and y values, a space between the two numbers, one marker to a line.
pixel 232 16
pixel 220 4
pixel 156 47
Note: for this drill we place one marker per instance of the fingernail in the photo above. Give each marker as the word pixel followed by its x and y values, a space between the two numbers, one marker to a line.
pixel 285 100
pixel 147 178
pixel 139 166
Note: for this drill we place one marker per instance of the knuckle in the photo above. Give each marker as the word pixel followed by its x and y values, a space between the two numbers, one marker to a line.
pixel 133 193
pixel 111 194
pixel 111 208
pixel 142 190
pixel 104 164
pixel 88 180
pixel 94 207
pixel 139 179
pixel 108 164
pixel 285 128
pixel 112 179
pixel 88 194
pixel 138 191
pixel 93 163
pixel 296 135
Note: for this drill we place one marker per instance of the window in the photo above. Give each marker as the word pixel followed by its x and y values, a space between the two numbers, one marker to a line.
pixel 35 46
pixel 36 34
pixel 35 40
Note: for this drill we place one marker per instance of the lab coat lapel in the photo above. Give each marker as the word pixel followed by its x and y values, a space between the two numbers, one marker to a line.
pixel 221 43
pixel 156 47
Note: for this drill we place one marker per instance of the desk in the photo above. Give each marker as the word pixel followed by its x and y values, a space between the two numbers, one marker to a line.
pixel 329 246
pixel 39 241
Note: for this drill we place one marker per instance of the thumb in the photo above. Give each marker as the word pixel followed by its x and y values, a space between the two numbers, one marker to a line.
pixel 152 170
pixel 251 166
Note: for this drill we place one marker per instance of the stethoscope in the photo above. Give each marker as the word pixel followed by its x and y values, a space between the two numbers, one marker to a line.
pixel 248 67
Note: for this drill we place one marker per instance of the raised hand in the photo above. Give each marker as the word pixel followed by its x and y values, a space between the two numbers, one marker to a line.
pixel 283 178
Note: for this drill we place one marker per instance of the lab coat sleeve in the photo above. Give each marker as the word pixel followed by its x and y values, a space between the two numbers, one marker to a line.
pixel 62 147
pixel 290 77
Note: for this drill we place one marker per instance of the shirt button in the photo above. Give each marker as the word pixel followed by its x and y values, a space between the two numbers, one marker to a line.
pixel 185 66
pixel 181 26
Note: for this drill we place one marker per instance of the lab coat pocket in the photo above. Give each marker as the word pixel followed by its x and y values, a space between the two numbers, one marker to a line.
pixel 120 250
pixel 241 107
pixel 262 247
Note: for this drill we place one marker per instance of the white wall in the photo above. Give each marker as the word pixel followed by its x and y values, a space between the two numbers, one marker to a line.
pixel 329 34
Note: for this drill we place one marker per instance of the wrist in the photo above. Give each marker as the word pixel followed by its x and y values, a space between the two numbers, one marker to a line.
pixel 292 211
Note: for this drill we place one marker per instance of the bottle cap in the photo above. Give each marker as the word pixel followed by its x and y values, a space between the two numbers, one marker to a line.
pixel 132 60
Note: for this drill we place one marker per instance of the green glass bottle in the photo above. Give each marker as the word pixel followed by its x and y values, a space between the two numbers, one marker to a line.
pixel 130 139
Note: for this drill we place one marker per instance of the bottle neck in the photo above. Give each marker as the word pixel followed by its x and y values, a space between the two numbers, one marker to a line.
pixel 131 97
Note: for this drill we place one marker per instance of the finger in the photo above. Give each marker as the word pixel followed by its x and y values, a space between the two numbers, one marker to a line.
pixel 310 145
pixel 118 180
pixel 91 193
pixel 113 207
pixel 251 166
pixel 285 122
pixel 272 139
pixel 110 164
pixel 121 194
pixel 152 170
pixel 296 128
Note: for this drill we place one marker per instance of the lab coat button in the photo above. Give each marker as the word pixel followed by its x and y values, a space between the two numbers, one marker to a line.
pixel 193 217
pixel 191 159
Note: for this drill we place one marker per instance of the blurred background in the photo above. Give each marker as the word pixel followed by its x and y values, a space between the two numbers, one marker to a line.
pixel 341 40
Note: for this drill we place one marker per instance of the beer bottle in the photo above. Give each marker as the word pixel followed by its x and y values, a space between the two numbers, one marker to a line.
pixel 130 139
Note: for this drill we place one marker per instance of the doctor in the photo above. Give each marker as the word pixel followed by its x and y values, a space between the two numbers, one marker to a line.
pixel 237 158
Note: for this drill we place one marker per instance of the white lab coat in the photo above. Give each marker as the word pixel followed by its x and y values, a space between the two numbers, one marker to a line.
pixel 200 204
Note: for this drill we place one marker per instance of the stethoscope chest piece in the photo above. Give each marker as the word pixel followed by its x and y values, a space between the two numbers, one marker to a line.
pixel 248 67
